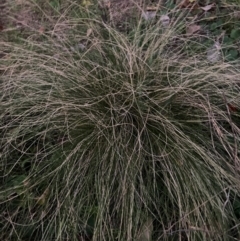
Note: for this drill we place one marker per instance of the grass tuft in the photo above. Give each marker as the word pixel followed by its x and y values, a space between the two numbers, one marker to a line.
pixel 103 132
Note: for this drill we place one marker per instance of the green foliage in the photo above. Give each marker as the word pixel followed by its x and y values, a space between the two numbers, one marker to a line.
pixel 55 4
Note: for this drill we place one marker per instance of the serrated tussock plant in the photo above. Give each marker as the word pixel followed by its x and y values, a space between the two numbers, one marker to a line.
pixel 127 128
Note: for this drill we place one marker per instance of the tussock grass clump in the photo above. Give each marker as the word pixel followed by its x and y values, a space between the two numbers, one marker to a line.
pixel 100 133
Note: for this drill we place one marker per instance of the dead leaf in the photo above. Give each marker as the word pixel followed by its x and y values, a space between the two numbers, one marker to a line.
pixel 152 8
pixel 236 14
pixel 41 30
pixel 191 29
pixel 78 47
pixel 89 31
pixel 188 4
pixel 213 53
pixel 165 20
pixel 208 7
pixel 86 3
pixel 232 108
pixel 149 15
